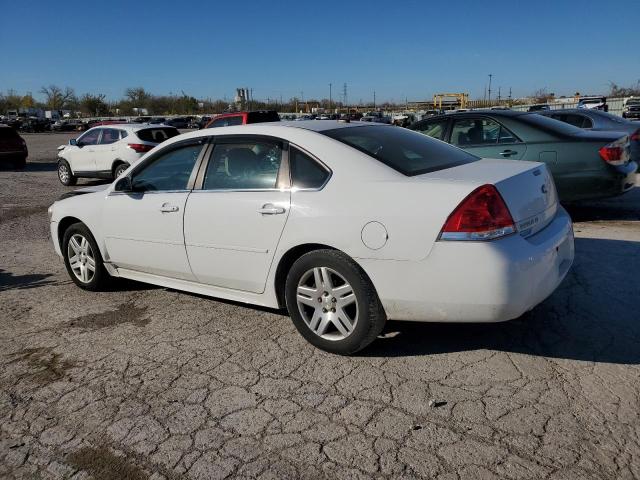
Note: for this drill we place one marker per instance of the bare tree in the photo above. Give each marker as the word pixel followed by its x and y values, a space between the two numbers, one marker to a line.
pixel 58 98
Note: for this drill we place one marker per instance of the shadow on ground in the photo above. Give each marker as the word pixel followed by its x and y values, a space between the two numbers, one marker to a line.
pixel 9 281
pixel 623 207
pixel 593 316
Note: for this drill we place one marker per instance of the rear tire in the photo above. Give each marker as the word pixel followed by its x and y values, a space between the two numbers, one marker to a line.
pixel 332 302
pixel 83 258
pixel 65 175
pixel 119 170
pixel 20 163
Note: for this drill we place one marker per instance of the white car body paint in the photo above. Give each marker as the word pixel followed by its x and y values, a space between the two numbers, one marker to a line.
pixel 233 251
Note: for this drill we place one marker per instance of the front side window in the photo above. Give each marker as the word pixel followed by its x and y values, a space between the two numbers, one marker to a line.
pixel 227 121
pixel 109 135
pixel 90 138
pixel 435 129
pixel 479 131
pixel 305 171
pixel 408 152
pixel 243 165
pixel 167 171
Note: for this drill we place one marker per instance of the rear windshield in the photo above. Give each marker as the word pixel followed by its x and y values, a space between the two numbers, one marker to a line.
pixel 7 133
pixel 259 117
pixel 157 135
pixel 407 152
pixel 549 124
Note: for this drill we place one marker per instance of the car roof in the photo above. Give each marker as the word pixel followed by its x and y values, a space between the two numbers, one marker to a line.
pixel 481 111
pixel 131 127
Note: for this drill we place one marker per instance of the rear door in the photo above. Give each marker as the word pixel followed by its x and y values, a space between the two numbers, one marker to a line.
pixel 235 216
pixel 486 138
pixel 105 150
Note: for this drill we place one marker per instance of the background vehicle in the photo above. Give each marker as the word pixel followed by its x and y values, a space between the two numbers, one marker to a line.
pixel 107 151
pixel 177 122
pixel 13 148
pixel 591 119
pixel 585 164
pixel 538 108
pixel 599 103
pixel 631 109
pixel 157 120
pixel 34 125
pixel 243 118
pixel 275 217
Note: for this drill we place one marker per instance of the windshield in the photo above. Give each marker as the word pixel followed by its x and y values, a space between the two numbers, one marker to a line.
pixel 406 151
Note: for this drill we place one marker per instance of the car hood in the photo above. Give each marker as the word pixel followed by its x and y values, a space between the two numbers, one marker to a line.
pixel 85 190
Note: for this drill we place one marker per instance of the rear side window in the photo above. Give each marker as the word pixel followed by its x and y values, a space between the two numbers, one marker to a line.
pixel 406 151
pixel 305 171
pixel 259 117
pixel 548 124
pixel 157 135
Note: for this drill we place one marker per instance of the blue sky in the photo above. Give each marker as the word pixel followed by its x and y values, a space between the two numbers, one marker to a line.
pixel 397 48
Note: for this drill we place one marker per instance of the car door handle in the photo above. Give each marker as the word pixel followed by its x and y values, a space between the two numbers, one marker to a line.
pixel 507 153
pixel 166 208
pixel 270 209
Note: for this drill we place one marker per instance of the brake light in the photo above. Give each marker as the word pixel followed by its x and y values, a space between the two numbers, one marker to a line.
pixel 140 147
pixel 482 215
pixel 635 136
pixel 616 153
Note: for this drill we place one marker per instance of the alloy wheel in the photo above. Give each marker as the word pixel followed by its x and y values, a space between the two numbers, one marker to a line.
pixel 81 258
pixel 327 303
pixel 63 173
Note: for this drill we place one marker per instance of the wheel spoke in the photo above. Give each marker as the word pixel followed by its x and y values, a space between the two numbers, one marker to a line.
pixel 91 264
pixel 83 245
pixel 338 324
pixel 315 320
pixel 74 245
pixel 342 290
pixel 306 299
pixel 324 323
pixel 326 278
pixel 346 300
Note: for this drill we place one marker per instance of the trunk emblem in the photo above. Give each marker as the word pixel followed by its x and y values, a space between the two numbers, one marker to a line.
pixel 544 189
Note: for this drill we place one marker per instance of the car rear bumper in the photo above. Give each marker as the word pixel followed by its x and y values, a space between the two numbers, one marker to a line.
pixel 476 281
pixel 13 155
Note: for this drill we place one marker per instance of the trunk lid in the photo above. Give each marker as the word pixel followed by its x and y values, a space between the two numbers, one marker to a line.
pixel 526 187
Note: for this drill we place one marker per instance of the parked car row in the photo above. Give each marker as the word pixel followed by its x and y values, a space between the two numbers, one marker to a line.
pixel 585 164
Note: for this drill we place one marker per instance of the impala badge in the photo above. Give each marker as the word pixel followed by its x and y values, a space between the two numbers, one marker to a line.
pixel 544 189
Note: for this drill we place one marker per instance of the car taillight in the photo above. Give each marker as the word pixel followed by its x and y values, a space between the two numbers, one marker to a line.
pixel 482 215
pixel 616 153
pixel 140 147
pixel 635 136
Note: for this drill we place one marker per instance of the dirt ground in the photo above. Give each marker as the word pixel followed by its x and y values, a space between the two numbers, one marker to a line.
pixel 147 383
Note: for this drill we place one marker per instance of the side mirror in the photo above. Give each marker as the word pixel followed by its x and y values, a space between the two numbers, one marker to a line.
pixel 73 141
pixel 123 185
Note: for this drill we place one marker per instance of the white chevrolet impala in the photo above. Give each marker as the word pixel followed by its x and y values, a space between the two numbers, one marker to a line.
pixel 344 224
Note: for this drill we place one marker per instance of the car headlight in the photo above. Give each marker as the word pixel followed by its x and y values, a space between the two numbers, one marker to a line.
pixel 50 212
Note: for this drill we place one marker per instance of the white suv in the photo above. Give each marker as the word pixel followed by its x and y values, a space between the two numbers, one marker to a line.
pixel 107 151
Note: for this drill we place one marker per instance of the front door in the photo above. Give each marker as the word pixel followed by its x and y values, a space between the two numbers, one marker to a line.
pixel 144 227
pixel 486 138
pixel 82 157
pixel 233 222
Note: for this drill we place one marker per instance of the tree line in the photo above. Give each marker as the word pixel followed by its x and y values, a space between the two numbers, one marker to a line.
pixel 54 97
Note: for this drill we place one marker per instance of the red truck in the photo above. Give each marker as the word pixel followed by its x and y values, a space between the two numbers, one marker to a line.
pixel 243 118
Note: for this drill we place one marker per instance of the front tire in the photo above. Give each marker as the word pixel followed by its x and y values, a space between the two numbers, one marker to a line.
pixel 65 175
pixel 83 259
pixel 332 302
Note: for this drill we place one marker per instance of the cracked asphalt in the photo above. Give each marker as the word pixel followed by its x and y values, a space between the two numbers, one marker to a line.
pixel 147 383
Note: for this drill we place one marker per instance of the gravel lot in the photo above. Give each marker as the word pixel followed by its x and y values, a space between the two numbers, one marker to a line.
pixel 143 382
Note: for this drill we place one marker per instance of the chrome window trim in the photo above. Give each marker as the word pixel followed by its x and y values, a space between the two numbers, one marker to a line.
pixel 113 193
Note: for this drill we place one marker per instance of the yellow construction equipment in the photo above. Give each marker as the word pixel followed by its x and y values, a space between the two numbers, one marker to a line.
pixel 461 100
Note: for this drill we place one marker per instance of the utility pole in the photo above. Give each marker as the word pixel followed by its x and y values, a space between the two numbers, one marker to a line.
pixel 374 99
pixel 330 85
pixel 490 76
pixel 344 94
pixel 509 94
pixel 499 94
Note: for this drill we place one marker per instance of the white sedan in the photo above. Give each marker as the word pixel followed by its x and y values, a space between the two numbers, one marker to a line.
pixel 344 224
